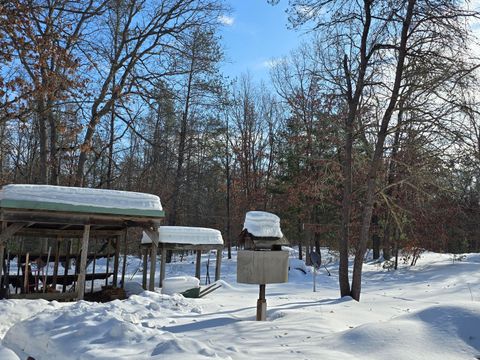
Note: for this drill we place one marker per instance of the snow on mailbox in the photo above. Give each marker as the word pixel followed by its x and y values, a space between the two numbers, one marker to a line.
pixel 262 262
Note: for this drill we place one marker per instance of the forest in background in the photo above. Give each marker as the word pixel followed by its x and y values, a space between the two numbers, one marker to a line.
pixel 366 137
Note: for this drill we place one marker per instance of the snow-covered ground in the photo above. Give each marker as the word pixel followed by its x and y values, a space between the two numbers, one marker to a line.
pixel 429 311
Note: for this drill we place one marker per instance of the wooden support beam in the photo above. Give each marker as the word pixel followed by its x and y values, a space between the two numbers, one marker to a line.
pixel 108 261
pixel 83 263
pixel 162 266
pixel 2 257
pixel 198 264
pixel 76 218
pixel 116 261
pixel 152 234
pixel 26 285
pixel 8 232
pixel 145 268
pixel 68 249
pixel 93 272
pixel 68 233
pixel 153 262
pixel 69 279
pixel 46 296
pixel 55 265
pixel 124 264
pixel 218 264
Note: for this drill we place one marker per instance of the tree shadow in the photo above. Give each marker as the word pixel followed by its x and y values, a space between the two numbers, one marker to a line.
pixel 201 325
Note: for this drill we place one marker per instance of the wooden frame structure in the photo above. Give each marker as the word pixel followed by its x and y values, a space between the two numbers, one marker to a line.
pixel 151 248
pixel 82 225
pixel 164 247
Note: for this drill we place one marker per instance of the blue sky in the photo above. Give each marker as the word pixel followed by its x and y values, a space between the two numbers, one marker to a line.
pixel 255 33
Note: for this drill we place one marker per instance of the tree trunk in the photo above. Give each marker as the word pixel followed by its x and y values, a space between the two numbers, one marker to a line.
pixel 229 190
pixel 42 129
pixel 53 163
pixel 387 244
pixel 353 97
pixel 377 156
pixel 343 280
pixel 392 177
pixel 84 150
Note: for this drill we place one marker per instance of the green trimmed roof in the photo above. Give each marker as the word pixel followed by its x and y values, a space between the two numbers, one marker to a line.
pixel 62 207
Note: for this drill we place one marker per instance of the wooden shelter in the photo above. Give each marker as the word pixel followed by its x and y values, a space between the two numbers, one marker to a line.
pixel 183 238
pixel 63 223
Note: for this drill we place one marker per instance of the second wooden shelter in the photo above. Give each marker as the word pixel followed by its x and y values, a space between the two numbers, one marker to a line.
pixel 184 238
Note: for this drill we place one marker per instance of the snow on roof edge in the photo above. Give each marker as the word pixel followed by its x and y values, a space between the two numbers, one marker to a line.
pixel 81 196
pixel 262 224
pixel 186 235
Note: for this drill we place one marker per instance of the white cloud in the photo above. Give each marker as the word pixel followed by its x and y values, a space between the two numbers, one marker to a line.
pixel 273 62
pixel 226 20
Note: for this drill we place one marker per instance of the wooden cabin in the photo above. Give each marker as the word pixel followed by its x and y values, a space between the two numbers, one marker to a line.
pixel 52 238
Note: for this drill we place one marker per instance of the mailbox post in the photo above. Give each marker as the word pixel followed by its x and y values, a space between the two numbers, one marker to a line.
pixel 262 262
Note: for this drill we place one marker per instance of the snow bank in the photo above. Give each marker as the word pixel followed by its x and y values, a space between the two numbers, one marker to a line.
pixel 437 332
pixel 179 284
pixel 13 311
pixel 133 288
pixel 430 311
pixel 262 224
pixel 129 329
pixel 186 235
pixel 7 354
pixel 81 196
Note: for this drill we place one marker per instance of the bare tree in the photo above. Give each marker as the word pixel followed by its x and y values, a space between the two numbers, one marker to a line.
pixel 376 38
pixel 42 39
pixel 148 34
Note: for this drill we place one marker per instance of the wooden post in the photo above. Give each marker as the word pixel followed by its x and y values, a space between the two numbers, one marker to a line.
pixel 2 263
pixel 153 264
pixel 124 265
pixel 94 265
pixel 218 264
pixel 55 265
pixel 198 264
pixel 162 266
pixel 93 272
pixel 116 261
pixel 83 262
pixel 77 261
pixel 26 285
pixel 261 304
pixel 45 276
pixel 108 261
pixel 145 268
pixel 2 257
pixel 68 249
pixel 19 265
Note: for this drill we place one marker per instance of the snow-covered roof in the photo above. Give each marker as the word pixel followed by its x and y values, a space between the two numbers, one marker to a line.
pixel 49 197
pixel 186 235
pixel 262 224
